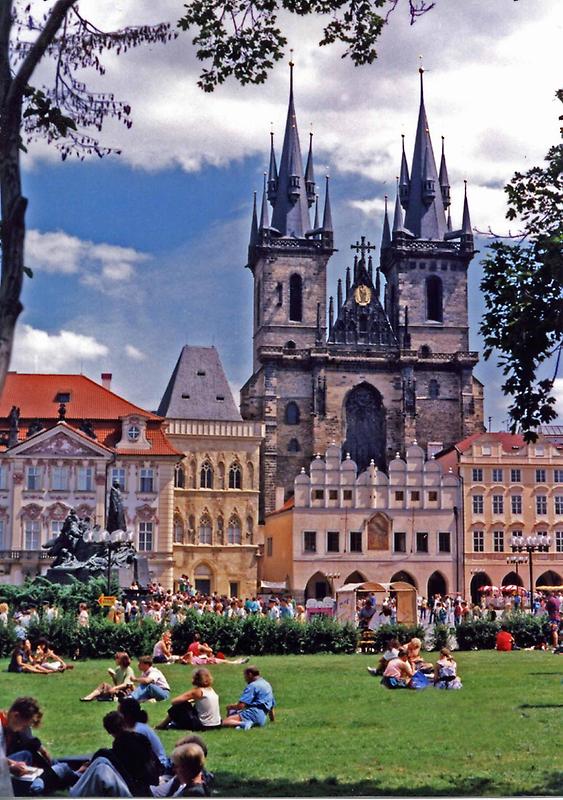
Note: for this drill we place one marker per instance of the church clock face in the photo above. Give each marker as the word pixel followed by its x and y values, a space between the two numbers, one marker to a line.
pixel 362 295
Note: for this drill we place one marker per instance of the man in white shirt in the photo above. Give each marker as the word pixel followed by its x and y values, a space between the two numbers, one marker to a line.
pixel 153 685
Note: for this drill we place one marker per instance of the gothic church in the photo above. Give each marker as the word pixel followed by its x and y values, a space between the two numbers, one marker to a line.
pixel 388 363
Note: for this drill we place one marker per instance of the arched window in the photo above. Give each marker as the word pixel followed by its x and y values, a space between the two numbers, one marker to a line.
pixel 433 389
pixel 249 529
pixel 179 477
pixel 295 298
pixel 234 531
pixel 434 310
pixel 250 473
pixel 205 530
pixel 293 446
pixel 178 530
pixel 235 476
pixel 292 415
pixel 220 531
pixel 221 473
pixel 425 351
pixel 206 476
pixel 279 294
pixel 257 302
pixel 290 345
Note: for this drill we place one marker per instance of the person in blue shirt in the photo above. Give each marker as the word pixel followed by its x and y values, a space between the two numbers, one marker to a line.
pixel 256 704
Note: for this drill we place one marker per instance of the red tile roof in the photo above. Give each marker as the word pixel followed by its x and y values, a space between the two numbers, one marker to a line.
pixel 287 506
pixel 35 395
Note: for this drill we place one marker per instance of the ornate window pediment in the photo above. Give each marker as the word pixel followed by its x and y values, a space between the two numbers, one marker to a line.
pixel 60 442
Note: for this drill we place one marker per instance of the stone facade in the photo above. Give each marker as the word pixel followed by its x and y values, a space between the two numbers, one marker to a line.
pixel 509 488
pixel 341 527
pixel 388 362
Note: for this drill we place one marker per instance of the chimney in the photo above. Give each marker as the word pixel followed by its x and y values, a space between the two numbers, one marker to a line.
pixel 280 496
pixel 106 380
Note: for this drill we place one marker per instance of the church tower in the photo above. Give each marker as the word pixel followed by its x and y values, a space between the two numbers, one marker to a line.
pixel 425 265
pixel 287 256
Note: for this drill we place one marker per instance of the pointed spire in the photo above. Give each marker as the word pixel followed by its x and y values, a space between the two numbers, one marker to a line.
pixel 254 225
pixel 355 269
pixel 347 282
pixel 309 173
pixel 404 181
pixel 272 172
pixel 264 217
pixel 316 224
pixel 339 296
pixel 398 226
pixel 425 215
pixel 449 222
pixel 290 214
pixel 327 214
pixel 386 236
pixel 330 315
pixel 378 283
pixel 370 268
pixel 466 221
pixel 444 180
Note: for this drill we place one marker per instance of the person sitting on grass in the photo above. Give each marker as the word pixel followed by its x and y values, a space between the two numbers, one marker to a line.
pixel 391 652
pixel 197 709
pixel 416 660
pixel 256 704
pixel 127 769
pixel 24 751
pixel 21 659
pixel 122 681
pixel 136 719
pixel 47 658
pixel 189 762
pixel 445 671
pixel 398 672
pixel 162 651
pixel 200 653
pixel 153 685
pixel 505 640
pixel 172 787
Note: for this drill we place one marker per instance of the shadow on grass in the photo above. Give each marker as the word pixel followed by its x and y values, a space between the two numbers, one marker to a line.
pixel 541 674
pixel 541 705
pixel 229 785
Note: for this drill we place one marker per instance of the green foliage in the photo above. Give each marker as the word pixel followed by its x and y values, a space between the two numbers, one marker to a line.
pixel 257 635
pixel 404 633
pixel 439 636
pixel 523 320
pixel 481 634
pixel 40 590
pixel 243 38
pixel 45 115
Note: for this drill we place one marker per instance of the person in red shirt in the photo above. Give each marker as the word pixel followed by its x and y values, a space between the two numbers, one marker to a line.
pixel 504 640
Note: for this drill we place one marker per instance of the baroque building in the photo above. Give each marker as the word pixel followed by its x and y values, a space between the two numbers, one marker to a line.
pixel 64 439
pixel 343 527
pixel 216 536
pixel 510 488
pixel 385 364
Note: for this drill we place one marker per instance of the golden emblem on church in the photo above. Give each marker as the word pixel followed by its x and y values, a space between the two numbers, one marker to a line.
pixel 362 295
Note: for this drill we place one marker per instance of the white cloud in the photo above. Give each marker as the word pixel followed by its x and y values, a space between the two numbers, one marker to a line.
pixel 40 351
pixel 134 353
pixel 490 84
pixel 99 265
pixel 558 394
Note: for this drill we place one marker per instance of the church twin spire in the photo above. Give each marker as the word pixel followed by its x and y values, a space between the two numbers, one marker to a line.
pixel 291 191
pixel 424 193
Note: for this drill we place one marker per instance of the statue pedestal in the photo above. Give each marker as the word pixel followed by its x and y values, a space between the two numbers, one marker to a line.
pixel 66 575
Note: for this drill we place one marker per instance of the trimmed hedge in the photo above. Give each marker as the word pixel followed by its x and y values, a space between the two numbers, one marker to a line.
pixel 66 597
pixel 481 634
pixel 256 635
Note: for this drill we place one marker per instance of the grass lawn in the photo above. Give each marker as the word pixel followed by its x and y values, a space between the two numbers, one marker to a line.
pixel 338 732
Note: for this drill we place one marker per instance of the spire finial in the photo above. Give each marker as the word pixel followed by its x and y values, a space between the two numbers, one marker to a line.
pixel 443 140
pixel 403 142
pixel 291 65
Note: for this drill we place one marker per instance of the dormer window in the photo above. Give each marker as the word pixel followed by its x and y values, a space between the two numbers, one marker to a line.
pixel 201 373
pixel 220 397
pixel 133 433
pixel 62 397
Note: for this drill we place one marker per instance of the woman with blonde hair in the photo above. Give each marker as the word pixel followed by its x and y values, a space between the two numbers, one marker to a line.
pixel 3 613
pixel 197 709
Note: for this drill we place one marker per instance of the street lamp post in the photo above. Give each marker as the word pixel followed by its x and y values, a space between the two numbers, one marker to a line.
pixel 537 543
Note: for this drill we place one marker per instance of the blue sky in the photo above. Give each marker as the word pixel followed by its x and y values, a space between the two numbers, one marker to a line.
pixel 136 255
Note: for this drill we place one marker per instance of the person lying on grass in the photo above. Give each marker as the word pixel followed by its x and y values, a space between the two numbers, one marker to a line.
pixel 122 680
pixel 197 709
pixel 200 653
pixel 21 659
pixel 256 704
pixel 47 658
pixel 398 672
pixel 153 686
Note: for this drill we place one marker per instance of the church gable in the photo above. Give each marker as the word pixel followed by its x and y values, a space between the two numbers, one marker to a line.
pixel 60 442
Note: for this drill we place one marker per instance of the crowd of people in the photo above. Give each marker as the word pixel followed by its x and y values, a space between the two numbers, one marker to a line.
pixel 136 763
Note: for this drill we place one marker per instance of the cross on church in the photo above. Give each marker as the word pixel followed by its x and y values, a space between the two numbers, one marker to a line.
pixel 362 247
